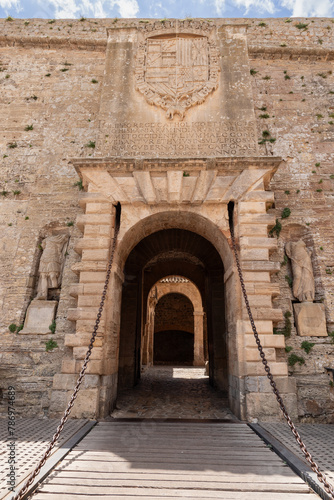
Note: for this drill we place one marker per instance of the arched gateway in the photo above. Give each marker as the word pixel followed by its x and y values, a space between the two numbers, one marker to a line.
pixel 159 239
pixel 177 143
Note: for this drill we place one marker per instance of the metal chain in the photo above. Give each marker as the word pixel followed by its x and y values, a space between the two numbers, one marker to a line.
pixel 322 478
pixel 67 412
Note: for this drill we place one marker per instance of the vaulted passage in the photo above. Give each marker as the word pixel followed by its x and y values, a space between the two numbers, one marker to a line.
pixel 173 331
pixel 172 252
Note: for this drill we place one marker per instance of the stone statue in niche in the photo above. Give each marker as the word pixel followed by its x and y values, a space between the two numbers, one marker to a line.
pixel 51 263
pixel 303 279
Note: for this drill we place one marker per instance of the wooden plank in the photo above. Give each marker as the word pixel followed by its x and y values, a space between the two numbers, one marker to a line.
pixel 205 476
pixel 78 491
pixel 101 484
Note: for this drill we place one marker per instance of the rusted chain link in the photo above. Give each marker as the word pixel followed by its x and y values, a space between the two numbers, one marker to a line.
pixel 322 478
pixel 67 412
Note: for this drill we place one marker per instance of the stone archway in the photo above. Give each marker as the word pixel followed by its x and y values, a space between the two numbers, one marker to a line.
pixel 157 196
pixel 177 285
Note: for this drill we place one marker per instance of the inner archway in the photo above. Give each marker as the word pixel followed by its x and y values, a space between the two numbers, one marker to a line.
pixel 173 339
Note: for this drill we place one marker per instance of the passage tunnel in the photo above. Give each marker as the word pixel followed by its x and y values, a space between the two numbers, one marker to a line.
pixel 166 253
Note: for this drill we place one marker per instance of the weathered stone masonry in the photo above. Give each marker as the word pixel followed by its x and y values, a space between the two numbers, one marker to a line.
pixel 77 86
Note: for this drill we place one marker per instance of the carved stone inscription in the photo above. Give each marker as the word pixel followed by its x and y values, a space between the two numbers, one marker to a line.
pixel 181 139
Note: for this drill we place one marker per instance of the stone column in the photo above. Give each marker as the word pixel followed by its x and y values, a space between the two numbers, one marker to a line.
pixel 198 338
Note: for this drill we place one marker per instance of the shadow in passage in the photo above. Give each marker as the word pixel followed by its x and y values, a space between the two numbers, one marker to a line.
pixel 173 392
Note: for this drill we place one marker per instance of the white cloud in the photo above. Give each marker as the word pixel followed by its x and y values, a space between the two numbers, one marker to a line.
pixel 262 6
pixel 219 6
pixel 10 4
pixel 310 8
pixel 70 9
pixel 127 8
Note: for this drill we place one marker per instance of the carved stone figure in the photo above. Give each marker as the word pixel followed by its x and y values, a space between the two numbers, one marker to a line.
pixel 303 279
pixel 50 266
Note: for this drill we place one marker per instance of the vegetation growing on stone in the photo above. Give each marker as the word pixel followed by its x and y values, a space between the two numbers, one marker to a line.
pixel 276 229
pixel 286 213
pixel 301 26
pixel 52 327
pixel 79 185
pixel 50 345
pixel 307 346
pixel 293 359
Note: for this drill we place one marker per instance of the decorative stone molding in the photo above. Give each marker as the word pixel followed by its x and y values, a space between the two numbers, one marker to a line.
pixel 172 182
pixel 179 69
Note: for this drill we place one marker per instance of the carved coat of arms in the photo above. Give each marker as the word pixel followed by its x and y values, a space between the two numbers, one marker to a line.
pixel 177 71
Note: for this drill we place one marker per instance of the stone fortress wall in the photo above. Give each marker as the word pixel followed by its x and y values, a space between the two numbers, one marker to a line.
pixel 51 75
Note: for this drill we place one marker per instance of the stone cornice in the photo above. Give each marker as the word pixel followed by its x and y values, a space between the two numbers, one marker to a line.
pixel 177 181
pixel 100 44
pixel 121 165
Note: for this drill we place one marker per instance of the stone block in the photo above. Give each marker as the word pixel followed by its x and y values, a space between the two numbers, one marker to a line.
pixel 258 242
pixel 263 406
pixel 257 368
pixel 264 313
pixel 95 255
pixel 256 276
pixel 254 355
pixel 310 319
pixel 260 300
pixel 252 230
pixel 91 244
pixel 94 367
pixel 79 313
pixel 81 340
pixel 63 381
pixel 269 340
pixel 40 315
pixel 68 365
pixel 98 208
pixel 252 207
pixel 261 326
pixel 254 254
pixel 92 277
pixel 94 219
pixel 86 404
pixel 80 353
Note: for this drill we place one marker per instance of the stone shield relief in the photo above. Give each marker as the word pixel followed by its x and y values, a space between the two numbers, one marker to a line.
pixel 176 71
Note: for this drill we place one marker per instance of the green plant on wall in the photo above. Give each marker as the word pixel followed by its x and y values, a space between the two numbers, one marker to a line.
pixel 286 331
pixel 307 346
pixel 52 327
pixel 293 359
pixel 50 345
pixel 286 213
pixel 276 229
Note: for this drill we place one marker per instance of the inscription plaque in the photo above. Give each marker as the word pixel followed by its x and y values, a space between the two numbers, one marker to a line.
pixel 180 139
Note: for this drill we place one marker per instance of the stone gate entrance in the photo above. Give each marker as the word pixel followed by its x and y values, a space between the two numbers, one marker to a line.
pixel 177 142
pixel 176 224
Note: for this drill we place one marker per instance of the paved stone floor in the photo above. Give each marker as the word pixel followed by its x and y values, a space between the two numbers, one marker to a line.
pixel 172 392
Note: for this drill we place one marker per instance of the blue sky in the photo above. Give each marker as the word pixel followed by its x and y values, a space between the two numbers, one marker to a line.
pixel 59 9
